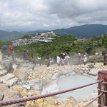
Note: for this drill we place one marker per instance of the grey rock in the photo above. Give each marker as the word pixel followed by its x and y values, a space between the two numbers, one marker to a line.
pixel 7 77
pixel 27 86
pixel 11 82
pixel 1 96
pixel 3 72
pixel 36 84
pixel 55 76
pixel 8 66
pixel 93 72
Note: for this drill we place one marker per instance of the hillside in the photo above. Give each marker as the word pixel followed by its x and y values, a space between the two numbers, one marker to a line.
pixel 84 31
pixel 5 35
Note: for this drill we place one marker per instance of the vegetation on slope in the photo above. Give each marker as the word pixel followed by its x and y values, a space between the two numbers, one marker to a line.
pixel 68 44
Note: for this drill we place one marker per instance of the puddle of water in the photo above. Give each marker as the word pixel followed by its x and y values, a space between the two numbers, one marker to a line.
pixel 71 81
pixel 75 81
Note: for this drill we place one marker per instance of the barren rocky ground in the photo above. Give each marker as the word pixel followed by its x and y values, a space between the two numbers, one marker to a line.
pixel 21 79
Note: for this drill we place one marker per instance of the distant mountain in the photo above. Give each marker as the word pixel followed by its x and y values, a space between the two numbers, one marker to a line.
pixel 5 35
pixel 84 31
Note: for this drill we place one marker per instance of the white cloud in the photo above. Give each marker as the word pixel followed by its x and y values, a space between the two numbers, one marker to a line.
pixel 51 14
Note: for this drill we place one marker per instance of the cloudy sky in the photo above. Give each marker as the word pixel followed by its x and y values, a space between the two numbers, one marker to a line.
pixel 50 14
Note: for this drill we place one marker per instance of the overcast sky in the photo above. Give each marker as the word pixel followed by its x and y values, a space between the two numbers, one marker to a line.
pixel 51 14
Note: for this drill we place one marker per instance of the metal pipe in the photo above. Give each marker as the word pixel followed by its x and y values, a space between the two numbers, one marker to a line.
pixel 93 100
pixel 20 100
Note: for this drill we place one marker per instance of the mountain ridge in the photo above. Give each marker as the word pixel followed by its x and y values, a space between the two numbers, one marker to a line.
pixel 82 31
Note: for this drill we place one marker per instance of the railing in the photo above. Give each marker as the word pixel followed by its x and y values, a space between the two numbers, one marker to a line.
pixel 102 93
pixel 102 88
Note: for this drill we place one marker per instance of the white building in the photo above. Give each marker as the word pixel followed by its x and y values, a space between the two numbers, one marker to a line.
pixel 44 37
